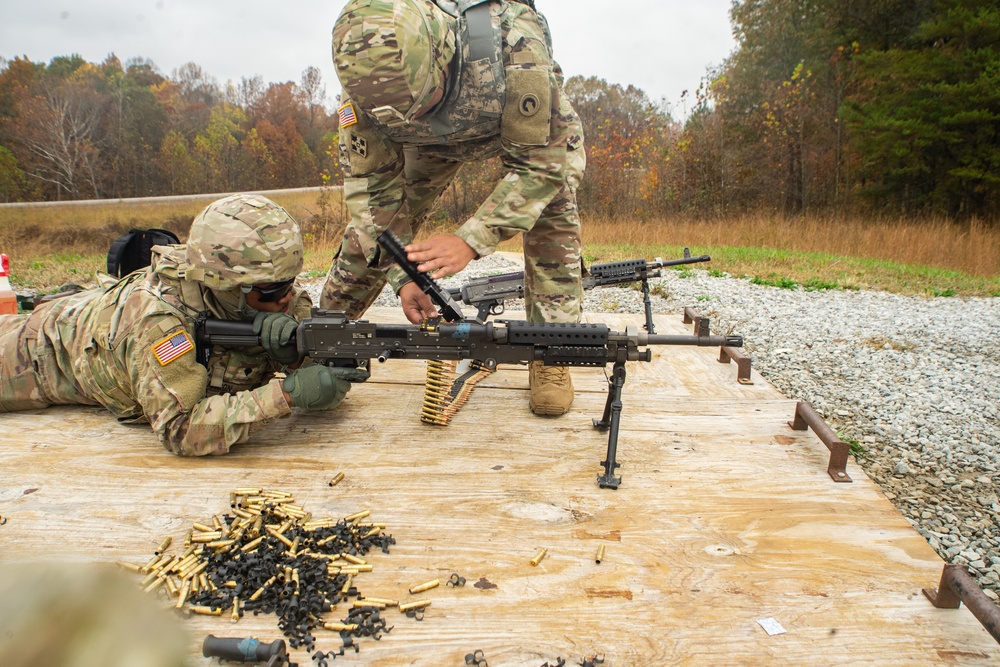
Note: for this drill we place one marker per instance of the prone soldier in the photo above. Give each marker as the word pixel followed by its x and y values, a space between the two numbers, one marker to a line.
pixel 129 344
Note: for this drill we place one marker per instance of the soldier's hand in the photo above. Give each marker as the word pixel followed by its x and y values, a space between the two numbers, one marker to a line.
pixel 444 254
pixel 417 306
pixel 319 387
pixel 276 331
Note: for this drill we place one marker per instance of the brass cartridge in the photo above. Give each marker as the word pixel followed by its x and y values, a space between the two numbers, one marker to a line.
pixel 434 583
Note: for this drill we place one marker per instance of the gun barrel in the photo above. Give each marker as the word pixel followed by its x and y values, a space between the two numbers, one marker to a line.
pixel 679 262
pixel 703 341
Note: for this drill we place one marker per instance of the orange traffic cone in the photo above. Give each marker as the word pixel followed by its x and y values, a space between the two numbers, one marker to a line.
pixel 8 300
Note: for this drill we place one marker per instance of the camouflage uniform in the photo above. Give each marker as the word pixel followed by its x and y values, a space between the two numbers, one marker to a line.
pixel 396 164
pixel 129 345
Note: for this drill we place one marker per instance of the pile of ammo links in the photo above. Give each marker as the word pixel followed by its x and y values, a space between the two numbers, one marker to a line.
pixel 270 556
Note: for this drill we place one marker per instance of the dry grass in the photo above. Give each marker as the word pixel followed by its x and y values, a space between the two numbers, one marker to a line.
pixel 972 248
pixel 52 245
pixel 934 257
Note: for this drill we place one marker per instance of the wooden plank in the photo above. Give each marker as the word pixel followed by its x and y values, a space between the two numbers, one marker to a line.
pixel 725 516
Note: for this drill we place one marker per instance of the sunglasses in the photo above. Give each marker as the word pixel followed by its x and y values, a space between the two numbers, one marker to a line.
pixel 273 291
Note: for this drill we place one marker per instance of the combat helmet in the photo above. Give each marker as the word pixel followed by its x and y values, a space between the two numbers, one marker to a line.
pixel 391 55
pixel 242 241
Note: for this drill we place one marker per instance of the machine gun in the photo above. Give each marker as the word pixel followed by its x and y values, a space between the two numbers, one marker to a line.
pixel 329 337
pixel 489 293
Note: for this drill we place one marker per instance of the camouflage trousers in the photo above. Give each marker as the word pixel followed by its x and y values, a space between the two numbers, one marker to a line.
pixel 552 247
pixel 28 368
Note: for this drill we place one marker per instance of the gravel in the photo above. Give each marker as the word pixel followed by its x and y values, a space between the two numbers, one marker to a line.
pixel 911 382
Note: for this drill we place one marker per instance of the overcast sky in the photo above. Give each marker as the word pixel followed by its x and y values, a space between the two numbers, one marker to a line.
pixel 662 46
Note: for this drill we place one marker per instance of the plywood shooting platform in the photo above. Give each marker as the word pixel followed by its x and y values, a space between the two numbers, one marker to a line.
pixel 725 517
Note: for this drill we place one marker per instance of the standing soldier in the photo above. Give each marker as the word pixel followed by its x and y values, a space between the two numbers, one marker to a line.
pixel 131 345
pixel 429 86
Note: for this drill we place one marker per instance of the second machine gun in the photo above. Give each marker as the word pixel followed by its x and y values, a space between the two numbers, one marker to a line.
pixel 488 294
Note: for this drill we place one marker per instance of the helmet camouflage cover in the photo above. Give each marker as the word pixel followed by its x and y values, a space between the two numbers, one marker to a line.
pixel 243 240
pixel 393 53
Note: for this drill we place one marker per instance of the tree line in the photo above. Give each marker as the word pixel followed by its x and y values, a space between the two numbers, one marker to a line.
pixel 71 129
pixel 829 107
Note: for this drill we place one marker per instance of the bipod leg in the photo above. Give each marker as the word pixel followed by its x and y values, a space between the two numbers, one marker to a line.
pixel 611 421
pixel 648 326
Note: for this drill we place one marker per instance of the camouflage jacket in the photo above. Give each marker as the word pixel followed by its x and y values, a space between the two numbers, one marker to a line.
pixel 533 143
pixel 129 347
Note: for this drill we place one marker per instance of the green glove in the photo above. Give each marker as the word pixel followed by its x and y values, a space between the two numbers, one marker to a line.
pixel 276 331
pixel 319 387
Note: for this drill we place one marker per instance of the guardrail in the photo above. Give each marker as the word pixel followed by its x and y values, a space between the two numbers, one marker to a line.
pixel 163 199
pixel 958 586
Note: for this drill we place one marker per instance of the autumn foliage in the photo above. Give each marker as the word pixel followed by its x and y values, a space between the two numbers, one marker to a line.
pixel 826 107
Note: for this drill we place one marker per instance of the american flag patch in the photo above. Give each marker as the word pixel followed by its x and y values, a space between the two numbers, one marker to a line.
pixel 170 348
pixel 347 115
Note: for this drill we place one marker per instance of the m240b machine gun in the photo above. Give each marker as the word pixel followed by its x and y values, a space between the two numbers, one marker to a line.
pixel 329 337
pixel 488 294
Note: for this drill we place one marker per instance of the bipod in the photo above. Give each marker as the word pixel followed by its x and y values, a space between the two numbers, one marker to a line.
pixel 610 421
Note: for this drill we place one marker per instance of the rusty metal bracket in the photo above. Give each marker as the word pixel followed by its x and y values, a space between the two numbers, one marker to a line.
pixel 805 417
pixel 727 353
pixel 701 323
pixel 958 586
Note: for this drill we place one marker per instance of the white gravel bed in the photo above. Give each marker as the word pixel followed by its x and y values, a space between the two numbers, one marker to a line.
pixel 913 381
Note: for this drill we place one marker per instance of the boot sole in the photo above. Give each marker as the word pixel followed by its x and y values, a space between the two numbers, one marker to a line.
pixel 545 411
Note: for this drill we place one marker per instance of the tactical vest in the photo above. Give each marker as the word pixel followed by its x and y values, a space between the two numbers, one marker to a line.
pixel 474 101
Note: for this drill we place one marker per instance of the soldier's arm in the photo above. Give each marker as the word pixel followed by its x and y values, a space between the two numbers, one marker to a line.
pixel 170 386
pixel 302 304
pixel 536 141
pixel 373 190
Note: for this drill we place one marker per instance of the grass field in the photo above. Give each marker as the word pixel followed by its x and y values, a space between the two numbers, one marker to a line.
pixel 53 245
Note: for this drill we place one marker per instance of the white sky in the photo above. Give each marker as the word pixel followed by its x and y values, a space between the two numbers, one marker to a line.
pixel 662 46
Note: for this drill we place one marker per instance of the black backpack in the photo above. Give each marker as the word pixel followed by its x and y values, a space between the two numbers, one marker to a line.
pixel 130 252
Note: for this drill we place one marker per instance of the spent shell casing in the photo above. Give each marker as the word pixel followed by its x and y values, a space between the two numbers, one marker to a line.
pixel 538 557
pixel 600 553
pixel 336 479
pixel 358 604
pixel 433 583
pixel 383 601
pixel 338 627
pixel 206 611
pixel 417 604
pixel 182 596
pixel 252 544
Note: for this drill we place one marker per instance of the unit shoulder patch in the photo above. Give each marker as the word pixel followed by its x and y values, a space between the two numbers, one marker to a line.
pixel 172 347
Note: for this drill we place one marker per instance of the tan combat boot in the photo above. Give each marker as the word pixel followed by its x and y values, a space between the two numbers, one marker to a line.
pixel 551 389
